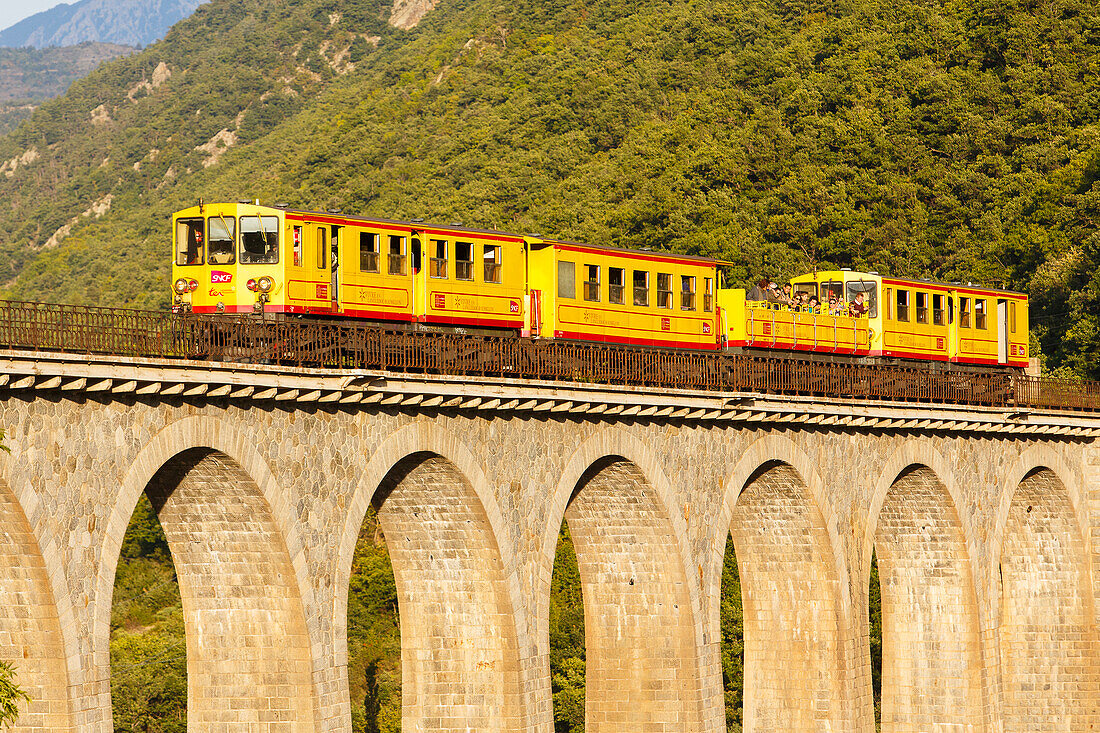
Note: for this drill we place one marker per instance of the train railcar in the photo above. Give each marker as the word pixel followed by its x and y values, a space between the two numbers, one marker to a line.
pixel 245 258
pixel 925 320
pixel 620 296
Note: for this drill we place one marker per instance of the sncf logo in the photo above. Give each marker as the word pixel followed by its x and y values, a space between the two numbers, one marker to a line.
pixel 217 276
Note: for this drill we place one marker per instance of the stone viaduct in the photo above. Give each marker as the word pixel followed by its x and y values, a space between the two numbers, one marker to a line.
pixel 983 523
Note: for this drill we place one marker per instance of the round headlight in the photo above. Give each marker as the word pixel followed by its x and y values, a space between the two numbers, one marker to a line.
pixel 251 284
pixel 265 284
pixel 180 286
pixel 192 285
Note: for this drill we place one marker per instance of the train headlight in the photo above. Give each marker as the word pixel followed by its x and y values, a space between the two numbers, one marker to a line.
pixel 180 286
pixel 251 284
pixel 192 285
pixel 266 284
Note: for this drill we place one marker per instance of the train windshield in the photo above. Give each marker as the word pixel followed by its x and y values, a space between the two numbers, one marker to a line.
pixel 189 241
pixel 221 235
pixel 870 294
pixel 259 240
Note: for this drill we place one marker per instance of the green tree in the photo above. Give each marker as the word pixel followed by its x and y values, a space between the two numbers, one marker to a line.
pixel 10 695
pixel 874 607
pixel 733 640
pixel 567 655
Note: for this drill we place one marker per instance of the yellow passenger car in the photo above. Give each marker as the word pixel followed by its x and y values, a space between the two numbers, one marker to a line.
pixel 904 319
pixel 246 258
pixel 622 296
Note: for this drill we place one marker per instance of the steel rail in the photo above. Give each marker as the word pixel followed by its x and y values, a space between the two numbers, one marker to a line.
pixel 72 329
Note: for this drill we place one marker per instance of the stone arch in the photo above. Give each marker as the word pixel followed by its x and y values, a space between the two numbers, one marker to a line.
pixel 459 611
pixel 240 569
pixel 931 637
pixel 798 658
pixel 1049 649
pixel 641 635
pixel 30 627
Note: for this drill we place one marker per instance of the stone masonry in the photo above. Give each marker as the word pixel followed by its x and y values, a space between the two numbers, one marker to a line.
pixel 982 523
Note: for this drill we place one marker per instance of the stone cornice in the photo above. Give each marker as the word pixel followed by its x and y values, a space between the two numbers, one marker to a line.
pixel 105 377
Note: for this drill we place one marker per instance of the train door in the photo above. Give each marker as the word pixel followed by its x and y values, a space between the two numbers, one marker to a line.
pixel 334 264
pixel 419 287
pixel 1002 331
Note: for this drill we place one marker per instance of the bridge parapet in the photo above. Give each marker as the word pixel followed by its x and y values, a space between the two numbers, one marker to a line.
pixel 200 380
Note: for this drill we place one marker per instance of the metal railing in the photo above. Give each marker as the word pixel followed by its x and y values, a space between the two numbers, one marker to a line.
pixel 301 343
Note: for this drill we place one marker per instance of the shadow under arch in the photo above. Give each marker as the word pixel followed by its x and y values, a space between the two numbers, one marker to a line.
pixel 30 629
pixel 1049 647
pixel 457 598
pixel 241 573
pixel 932 671
pixel 793 583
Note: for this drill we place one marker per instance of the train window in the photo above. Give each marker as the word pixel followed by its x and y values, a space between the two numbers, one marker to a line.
pixel 829 289
pixel 491 256
pixel 810 289
pixel 397 255
pixel 221 236
pixel 937 309
pixel 903 305
pixel 439 258
pixel 321 248
pixel 950 310
pixel 567 285
pixel 964 312
pixel 687 293
pixel 870 295
pixel 708 294
pixel 979 313
pixel 641 288
pixel 189 241
pixel 297 246
pixel 259 240
pixel 464 261
pixel 664 290
pixel 921 303
pixel 1012 316
pixel 368 252
pixel 616 277
pixel 592 283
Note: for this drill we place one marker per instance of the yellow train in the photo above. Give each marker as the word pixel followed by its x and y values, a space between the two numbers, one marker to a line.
pixel 246 258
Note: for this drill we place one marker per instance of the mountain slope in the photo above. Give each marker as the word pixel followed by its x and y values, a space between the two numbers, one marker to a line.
pixel 123 22
pixel 28 75
pixel 955 140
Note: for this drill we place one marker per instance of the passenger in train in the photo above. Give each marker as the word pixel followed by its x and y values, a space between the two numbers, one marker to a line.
pixel 756 293
pixel 773 296
pixel 813 305
pixel 858 308
pixel 785 297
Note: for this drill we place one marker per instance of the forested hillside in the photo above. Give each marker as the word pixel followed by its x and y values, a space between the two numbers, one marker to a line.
pixel 30 76
pixel 951 139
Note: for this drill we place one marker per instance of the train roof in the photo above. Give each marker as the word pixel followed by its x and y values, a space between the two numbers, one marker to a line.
pixel 917 282
pixel 625 250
